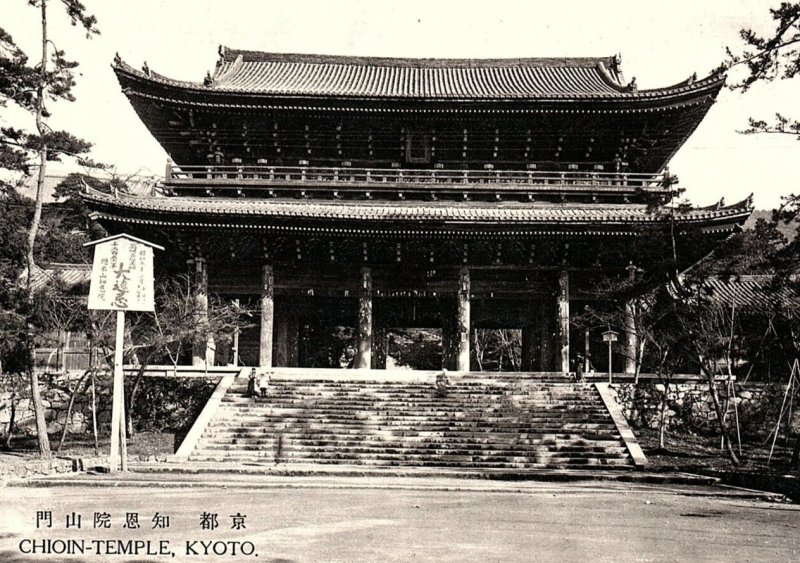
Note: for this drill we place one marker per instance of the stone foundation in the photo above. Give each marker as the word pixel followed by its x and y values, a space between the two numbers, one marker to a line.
pixel 166 408
pixel 690 407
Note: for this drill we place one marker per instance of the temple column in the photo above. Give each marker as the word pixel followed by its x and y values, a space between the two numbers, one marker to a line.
pixel 202 348
pixel 267 317
pixel 562 356
pixel 528 348
pixel 631 338
pixel 364 338
pixel 545 333
pixel 587 350
pixel 293 340
pixel 281 336
pixel 380 340
pixel 449 339
pixel 463 320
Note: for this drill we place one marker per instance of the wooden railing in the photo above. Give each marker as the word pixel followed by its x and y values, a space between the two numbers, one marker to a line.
pixel 244 176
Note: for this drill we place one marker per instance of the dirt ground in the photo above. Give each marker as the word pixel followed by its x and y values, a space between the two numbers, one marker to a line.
pixel 692 452
pixel 141 444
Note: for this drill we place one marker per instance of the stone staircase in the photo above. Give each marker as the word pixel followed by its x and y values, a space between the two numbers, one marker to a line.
pixel 533 422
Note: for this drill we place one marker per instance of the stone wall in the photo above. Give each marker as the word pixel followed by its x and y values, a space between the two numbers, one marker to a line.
pixel 690 407
pixel 157 402
pixel 55 391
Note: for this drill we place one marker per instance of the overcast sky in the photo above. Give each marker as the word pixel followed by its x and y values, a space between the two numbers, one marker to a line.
pixel 661 43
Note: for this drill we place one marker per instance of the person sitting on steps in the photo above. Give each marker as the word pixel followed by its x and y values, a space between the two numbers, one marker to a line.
pixel 263 384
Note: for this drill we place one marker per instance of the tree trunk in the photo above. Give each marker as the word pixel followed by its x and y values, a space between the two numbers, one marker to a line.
pixel 69 409
pixel 662 424
pixel 38 409
pixel 723 427
pixel 36 398
pixel 12 419
pixel 130 397
pixel 94 416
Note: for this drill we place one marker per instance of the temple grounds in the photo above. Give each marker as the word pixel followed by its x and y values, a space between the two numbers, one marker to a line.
pixel 391 519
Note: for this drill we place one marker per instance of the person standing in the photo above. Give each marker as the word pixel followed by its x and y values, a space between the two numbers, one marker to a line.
pixel 251 384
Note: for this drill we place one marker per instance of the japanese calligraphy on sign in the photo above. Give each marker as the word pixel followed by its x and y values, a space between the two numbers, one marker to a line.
pixel 122 274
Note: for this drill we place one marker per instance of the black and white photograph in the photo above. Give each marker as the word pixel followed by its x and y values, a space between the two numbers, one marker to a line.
pixel 376 281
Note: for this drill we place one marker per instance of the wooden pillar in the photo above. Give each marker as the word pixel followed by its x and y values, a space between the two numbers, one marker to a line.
pixel 545 332
pixel 202 348
pixel 587 350
pixel 380 340
pixel 281 336
pixel 631 338
pixel 449 338
pixel 463 320
pixel 267 316
pixel 528 348
pixel 293 340
pixel 562 357
pixel 364 326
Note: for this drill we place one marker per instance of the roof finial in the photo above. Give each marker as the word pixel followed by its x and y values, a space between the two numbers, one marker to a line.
pixel 208 81
pixel 146 69
pixel 693 78
pixel 117 59
pixel 221 51
pixel 632 87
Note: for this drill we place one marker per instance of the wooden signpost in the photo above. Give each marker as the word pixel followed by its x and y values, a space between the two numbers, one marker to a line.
pixel 122 280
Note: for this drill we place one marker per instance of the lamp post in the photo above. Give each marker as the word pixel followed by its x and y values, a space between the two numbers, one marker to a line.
pixel 610 336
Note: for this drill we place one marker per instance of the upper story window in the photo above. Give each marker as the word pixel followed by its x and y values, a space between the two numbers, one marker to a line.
pixel 418 148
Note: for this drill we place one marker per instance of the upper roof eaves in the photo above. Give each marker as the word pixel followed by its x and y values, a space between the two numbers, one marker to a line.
pixel 281 74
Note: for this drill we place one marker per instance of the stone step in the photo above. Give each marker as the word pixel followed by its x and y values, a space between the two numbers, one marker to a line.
pixel 454 437
pixel 436 432
pixel 480 423
pixel 512 424
pixel 428 390
pixel 523 417
pixel 461 462
pixel 428 449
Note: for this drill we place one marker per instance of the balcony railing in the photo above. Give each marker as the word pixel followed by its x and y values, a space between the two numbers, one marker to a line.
pixel 240 176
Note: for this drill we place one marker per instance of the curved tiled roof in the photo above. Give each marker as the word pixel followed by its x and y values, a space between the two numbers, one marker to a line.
pixel 254 72
pixel 70 275
pixel 409 78
pixel 205 210
pixel 748 292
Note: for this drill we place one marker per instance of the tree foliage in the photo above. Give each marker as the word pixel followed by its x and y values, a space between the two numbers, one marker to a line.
pixel 770 56
pixel 31 87
pixel 775 55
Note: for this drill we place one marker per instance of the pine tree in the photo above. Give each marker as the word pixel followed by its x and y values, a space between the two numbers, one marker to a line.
pixel 32 87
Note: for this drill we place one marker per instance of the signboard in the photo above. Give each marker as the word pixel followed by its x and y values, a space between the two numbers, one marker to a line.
pixel 610 336
pixel 122 275
pixel 122 280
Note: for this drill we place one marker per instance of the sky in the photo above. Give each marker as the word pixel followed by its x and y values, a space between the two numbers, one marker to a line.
pixel 661 43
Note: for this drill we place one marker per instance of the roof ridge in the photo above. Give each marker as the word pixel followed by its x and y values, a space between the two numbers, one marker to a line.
pixel 229 55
